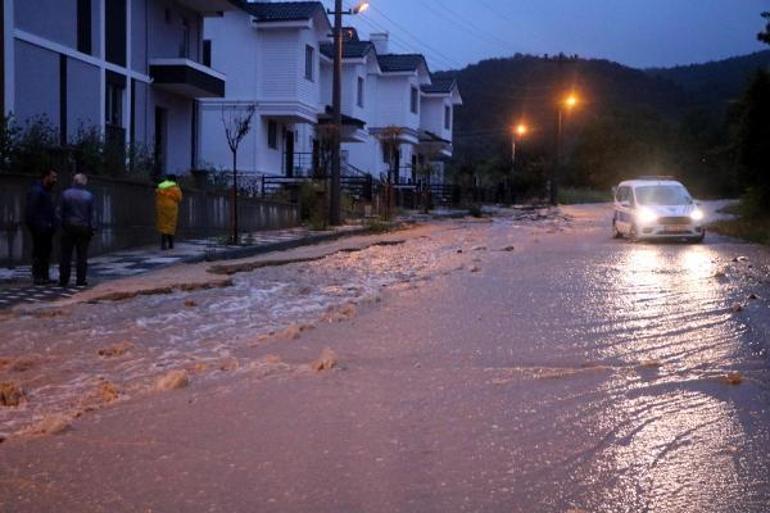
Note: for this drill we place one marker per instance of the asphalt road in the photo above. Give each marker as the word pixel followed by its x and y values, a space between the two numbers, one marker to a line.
pixel 574 373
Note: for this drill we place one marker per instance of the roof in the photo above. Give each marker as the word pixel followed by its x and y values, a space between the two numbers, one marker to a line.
pixel 350 49
pixel 426 136
pixel 646 181
pixel 328 117
pixel 395 63
pixel 440 85
pixel 266 12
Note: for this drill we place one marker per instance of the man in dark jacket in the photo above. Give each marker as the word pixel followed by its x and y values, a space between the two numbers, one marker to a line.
pixel 77 217
pixel 41 220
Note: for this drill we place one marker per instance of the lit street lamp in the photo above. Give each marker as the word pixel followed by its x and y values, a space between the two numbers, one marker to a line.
pixel 518 132
pixel 335 214
pixel 566 105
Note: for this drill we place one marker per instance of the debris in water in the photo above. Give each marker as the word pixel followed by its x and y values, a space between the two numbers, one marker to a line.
pixel 474 269
pixel 293 332
pixel 229 365
pixel 11 394
pixel 116 350
pixel 343 313
pixel 753 297
pixel 108 392
pixel 327 361
pixel 459 251
pixel 733 378
pixel 190 303
pixel 24 363
pixel 741 259
pixel 737 307
pixel 509 248
pixel 173 380
pixel 479 248
pixel 650 364
pixel 51 425
pixel 272 359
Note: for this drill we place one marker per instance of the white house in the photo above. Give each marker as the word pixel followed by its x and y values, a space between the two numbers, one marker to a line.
pixel 130 68
pixel 279 59
pixel 271 50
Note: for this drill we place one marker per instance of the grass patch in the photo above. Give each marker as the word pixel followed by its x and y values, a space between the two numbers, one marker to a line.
pixel 578 196
pixel 752 230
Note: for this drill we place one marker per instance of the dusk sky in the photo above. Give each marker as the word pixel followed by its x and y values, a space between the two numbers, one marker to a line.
pixel 640 33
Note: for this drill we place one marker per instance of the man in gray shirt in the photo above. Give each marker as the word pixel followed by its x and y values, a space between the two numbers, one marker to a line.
pixel 77 219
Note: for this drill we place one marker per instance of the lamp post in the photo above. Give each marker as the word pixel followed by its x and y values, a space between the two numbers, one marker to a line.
pixel 566 105
pixel 518 132
pixel 335 214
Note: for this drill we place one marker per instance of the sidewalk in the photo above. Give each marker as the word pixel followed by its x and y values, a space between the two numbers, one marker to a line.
pixel 16 287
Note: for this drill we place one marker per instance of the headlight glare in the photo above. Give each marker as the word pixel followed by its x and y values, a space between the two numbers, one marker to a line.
pixel 697 215
pixel 646 216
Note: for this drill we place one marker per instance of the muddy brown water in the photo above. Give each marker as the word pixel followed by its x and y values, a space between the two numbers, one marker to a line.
pixel 575 373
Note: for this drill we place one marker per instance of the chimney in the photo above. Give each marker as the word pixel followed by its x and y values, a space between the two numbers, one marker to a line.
pixel 380 40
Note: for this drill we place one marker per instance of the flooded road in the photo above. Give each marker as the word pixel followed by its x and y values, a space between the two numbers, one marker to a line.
pixel 515 365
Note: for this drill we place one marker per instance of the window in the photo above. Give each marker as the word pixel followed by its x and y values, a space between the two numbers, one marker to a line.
pixel 114 89
pixel 84 26
pixel 360 92
pixel 207 52
pixel 414 104
pixel 447 117
pixel 115 31
pixel 272 135
pixel 184 44
pixel 309 62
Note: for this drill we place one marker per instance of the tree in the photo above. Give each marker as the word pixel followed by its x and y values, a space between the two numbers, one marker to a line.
pixel 752 134
pixel 765 36
pixel 237 123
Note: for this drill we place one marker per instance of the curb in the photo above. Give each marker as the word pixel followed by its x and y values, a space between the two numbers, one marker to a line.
pixel 249 251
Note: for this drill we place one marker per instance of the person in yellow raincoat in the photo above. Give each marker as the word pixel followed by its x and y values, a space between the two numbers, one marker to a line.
pixel 168 196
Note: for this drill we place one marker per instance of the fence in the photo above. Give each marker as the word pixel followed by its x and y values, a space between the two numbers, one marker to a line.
pixel 125 213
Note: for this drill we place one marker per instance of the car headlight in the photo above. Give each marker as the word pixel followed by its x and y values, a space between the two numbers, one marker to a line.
pixel 646 216
pixel 697 215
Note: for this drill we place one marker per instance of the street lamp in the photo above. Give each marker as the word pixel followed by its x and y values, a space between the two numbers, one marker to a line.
pixel 335 214
pixel 566 105
pixel 518 132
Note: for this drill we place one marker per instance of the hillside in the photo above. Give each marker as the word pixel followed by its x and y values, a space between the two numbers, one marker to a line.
pixel 499 92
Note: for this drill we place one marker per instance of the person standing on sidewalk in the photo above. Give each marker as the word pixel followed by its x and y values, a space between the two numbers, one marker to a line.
pixel 168 196
pixel 40 218
pixel 77 217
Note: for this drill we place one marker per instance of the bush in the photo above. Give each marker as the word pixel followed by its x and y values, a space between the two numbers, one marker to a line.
pixel 312 200
pixel 576 196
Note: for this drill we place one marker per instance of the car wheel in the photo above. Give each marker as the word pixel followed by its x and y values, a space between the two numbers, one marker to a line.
pixel 699 239
pixel 634 233
pixel 615 232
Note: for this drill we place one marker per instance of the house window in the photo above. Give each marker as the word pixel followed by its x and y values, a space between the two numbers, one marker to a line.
pixel 360 92
pixel 115 31
pixel 114 104
pixel 207 52
pixel 84 26
pixel 309 62
pixel 184 44
pixel 414 104
pixel 447 117
pixel 272 135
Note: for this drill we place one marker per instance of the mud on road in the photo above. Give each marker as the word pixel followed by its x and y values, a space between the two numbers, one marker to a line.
pixel 522 363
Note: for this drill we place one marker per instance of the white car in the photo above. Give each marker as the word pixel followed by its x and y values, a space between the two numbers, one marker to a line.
pixel 656 208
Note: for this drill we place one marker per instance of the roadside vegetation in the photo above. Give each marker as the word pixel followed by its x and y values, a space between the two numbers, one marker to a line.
pixel 583 195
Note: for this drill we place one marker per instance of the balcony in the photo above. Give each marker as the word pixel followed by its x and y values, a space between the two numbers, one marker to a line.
pixel 187 78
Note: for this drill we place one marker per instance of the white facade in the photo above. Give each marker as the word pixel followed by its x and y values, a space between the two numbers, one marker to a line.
pixel 386 113
pixel 268 63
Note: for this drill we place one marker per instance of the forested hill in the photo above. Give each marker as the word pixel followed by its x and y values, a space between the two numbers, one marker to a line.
pixel 499 92
pixel 714 83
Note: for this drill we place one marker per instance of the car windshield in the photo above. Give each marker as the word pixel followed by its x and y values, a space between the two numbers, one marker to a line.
pixel 663 195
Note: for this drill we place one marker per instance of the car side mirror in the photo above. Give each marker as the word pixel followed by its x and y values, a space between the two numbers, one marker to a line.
pixel 614 191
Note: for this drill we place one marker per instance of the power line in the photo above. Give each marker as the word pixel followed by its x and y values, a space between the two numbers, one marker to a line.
pixel 465 24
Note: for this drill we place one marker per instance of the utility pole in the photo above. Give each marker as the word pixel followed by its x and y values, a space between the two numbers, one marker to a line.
pixel 335 214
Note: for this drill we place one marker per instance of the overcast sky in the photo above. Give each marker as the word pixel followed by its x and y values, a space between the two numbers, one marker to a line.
pixel 640 33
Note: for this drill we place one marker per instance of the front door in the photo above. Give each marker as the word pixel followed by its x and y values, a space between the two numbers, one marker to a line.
pixel 289 147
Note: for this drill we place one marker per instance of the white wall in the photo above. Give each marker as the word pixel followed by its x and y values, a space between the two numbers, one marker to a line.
pixel 234 52
pixel 432 116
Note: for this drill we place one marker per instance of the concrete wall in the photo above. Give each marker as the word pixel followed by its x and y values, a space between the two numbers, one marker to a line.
pixel 166 37
pixel 432 115
pixel 232 35
pixel 126 216
pixel 178 129
pixel 279 54
pixel 37 17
